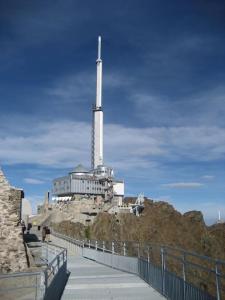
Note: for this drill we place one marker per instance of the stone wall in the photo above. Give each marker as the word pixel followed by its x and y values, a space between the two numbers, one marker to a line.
pixel 12 251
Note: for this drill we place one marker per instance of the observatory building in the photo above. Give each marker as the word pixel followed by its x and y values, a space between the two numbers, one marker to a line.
pixel 99 181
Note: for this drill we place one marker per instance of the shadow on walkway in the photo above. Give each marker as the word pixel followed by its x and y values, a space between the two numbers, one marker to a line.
pixel 30 237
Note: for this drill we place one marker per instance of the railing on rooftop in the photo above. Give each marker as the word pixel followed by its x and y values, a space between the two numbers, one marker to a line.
pixel 175 273
pixel 47 284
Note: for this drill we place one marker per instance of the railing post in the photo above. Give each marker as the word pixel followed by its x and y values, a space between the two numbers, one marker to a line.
pixel 65 258
pixel 124 249
pixel 163 267
pixel 82 246
pixel 89 244
pixel 113 248
pixel 184 275
pixel 218 295
pixel 58 262
pixel 36 287
pixel 112 254
pixel 96 245
pixel 139 260
pixel 103 246
pixel 46 250
pixel 148 264
pixel 46 279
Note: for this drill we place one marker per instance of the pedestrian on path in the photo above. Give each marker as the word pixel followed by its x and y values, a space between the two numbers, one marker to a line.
pixel 23 227
pixel 43 233
pixel 48 232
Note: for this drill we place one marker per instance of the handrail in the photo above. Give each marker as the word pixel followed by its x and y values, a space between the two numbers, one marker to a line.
pixel 187 262
pixel 48 274
pixel 18 274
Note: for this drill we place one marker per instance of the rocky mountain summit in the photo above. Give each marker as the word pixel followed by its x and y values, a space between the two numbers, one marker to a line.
pixel 159 223
pixel 12 251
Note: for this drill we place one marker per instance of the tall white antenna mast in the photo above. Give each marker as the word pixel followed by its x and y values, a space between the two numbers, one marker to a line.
pixel 97 129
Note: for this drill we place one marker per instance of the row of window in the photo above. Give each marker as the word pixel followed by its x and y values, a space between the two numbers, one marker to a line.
pixel 93 182
pixel 62 182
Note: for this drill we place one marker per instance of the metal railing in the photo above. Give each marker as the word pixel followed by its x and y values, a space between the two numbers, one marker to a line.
pixel 175 273
pixel 47 284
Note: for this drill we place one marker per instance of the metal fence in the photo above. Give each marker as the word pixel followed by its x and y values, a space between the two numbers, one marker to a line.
pixel 175 273
pixel 169 284
pixel 47 284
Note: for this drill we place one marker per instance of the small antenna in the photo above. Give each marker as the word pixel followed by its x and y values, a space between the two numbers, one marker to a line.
pixel 99 47
pixel 219 221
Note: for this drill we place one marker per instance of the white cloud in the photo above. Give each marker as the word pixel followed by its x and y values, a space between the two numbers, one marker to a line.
pixel 165 198
pixel 55 144
pixel 80 87
pixel 183 185
pixel 33 181
pixel 63 144
pixel 73 88
pixel 205 108
pixel 208 177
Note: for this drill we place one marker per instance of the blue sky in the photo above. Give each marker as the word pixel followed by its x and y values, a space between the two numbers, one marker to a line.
pixel 163 95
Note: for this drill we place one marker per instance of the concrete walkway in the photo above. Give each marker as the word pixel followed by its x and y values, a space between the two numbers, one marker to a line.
pixel 89 281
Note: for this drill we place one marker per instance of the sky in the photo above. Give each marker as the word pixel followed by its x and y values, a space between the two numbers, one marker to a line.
pixel 163 95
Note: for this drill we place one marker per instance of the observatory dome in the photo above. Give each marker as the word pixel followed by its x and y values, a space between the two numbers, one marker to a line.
pixel 80 170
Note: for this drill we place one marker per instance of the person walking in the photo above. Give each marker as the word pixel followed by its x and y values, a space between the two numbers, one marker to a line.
pixel 43 233
pixel 23 227
pixel 29 226
pixel 48 232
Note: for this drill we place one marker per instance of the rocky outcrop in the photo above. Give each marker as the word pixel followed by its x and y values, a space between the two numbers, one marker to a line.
pixel 160 223
pixel 68 228
pixel 12 251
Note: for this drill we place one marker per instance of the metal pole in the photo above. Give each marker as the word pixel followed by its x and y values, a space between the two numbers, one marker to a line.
pixel 36 286
pixel 46 280
pixel 58 262
pixel 103 246
pixel 184 275
pixel 138 250
pixel 96 245
pixel 218 296
pixel 112 254
pixel 89 244
pixel 66 258
pixel 163 269
pixel 148 265
pixel 124 249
